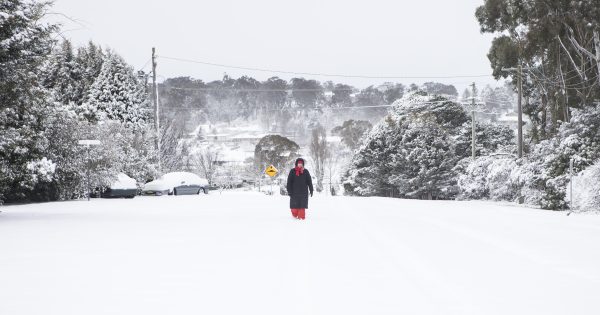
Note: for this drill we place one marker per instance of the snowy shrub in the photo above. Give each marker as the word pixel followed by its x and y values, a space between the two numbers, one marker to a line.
pixel 579 140
pixel 586 189
pixel 490 177
pixel 541 178
pixel 472 182
pixel 41 170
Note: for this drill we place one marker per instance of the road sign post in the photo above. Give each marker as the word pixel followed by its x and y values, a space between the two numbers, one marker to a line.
pixel 272 172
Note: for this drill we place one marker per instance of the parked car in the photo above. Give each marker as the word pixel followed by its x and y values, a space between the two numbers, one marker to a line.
pixel 176 183
pixel 123 187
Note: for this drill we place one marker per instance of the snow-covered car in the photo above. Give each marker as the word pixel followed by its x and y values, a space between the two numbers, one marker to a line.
pixel 176 183
pixel 123 187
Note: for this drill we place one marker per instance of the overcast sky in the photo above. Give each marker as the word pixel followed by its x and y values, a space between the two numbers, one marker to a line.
pixel 371 38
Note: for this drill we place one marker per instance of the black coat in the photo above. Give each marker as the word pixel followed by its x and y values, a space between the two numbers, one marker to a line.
pixel 298 188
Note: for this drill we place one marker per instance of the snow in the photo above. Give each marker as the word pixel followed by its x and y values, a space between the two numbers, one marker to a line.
pixel 124 182
pixel 586 189
pixel 242 253
pixel 174 179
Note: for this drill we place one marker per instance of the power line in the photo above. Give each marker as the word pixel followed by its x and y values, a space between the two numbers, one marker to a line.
pixel 359 107
pixel 145 65
pixel 253 90
pixel 167 87
pixel 321 74
pixel 334 108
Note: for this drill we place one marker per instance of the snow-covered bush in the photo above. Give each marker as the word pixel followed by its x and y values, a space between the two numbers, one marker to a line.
pixel 579 140
pixel 541 177
pixel 490 177
pixel 41 170
pixel 586 189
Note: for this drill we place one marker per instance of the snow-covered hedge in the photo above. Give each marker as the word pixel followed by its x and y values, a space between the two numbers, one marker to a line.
pixel 586 189
pixel 490 177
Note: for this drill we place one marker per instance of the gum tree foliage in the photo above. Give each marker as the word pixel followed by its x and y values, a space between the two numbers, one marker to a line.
pixel 559 40
pixel 352 132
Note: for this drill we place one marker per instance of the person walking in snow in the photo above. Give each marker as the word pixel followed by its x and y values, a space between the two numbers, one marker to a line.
pixel 299 184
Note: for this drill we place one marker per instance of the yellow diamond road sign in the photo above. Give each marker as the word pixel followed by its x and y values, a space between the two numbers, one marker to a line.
pixel 271 171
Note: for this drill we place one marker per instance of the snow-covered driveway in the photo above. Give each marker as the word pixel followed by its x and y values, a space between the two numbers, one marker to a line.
pixel 242 253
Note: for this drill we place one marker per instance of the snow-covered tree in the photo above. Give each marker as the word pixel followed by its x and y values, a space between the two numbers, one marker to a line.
pixel 25 42
pixel 579 140
pixel 89 60
pixel 276 150
pixel 117 94
pixel 352 132
pixel 62 75
pixel 205 160
pixel 490 138
pixel 412 152
pixel 319 153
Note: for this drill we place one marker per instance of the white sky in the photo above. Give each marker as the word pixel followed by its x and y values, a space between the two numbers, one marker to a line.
pixel 373 38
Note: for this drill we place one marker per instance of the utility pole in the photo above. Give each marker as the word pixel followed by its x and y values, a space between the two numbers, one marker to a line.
pixel 520 113
pixel 155 99
pixel 473 133
pixel 519 70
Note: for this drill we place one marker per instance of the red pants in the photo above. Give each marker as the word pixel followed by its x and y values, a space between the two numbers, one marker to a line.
pixel 299 213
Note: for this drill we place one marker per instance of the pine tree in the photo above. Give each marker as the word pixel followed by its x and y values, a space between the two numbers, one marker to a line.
pixel 62 75
pixel 89 60
pixel 117 94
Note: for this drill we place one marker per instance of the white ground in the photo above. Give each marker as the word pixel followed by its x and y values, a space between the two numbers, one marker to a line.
pixel 241 253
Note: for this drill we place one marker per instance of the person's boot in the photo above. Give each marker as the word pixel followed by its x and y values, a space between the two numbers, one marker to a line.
pixel 301 214
pixel 295 213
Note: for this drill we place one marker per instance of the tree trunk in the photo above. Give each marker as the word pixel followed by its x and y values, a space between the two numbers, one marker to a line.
pixel 544 117
pixel 597 47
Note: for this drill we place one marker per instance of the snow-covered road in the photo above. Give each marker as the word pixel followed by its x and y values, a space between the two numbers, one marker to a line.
pixel 242 253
